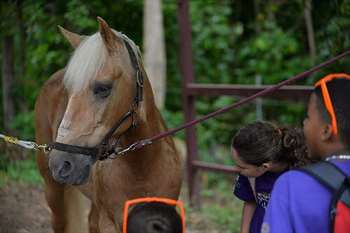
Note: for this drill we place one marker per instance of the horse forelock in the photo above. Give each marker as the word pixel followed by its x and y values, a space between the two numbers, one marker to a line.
pixel 89 58
pixel 85 62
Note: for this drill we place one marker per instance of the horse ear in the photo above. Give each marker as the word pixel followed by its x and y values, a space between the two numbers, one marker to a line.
pixel 110 39
pixel 73 38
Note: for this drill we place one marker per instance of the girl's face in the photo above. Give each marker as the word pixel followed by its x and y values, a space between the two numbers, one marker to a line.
pixel 313 128
pixel 246 169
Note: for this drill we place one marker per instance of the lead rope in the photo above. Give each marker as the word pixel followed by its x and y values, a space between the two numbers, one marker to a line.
pixel 144 142
pixel 25 144
pixel 139 144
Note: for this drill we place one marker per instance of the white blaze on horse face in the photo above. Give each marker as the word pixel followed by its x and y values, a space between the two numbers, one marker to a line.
pixel 82 122
pixel 79 120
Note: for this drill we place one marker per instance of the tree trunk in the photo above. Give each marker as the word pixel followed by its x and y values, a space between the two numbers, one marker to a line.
pixel 258 79
pixel 22 53
pixel 154 49
pixel 22 40
pixel 7 79
pixel 310 30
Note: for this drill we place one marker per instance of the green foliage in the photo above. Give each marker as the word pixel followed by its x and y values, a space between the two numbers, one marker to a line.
pixel 227 219
pixel 220 211
pixel 171 32
pixel 271 46
pixel 213 40
pixel 25 171
pixel 24 119
pixel 174 119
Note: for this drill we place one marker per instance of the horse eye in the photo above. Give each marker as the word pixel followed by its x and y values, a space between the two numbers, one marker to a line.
pixel 102 90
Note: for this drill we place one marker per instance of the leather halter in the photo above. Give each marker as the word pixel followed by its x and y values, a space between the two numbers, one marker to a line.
pixel 102 150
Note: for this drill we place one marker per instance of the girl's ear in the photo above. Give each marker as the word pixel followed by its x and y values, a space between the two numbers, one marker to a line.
pixel 266 166
pixel 326 132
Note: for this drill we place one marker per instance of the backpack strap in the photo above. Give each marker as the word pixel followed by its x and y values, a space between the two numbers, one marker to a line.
pixel 334 179
pixel 326 173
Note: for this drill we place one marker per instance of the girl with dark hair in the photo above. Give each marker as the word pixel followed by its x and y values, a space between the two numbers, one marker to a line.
pixel 262 151
pixel 300 202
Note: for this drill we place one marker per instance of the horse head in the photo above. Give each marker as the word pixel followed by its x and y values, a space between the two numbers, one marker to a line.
pixel 100 84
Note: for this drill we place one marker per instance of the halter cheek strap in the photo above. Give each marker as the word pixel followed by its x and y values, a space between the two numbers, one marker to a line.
pixel 102 150
pixel 139 75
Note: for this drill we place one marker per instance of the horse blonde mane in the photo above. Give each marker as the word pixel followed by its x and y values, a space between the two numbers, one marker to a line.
pixel 89 58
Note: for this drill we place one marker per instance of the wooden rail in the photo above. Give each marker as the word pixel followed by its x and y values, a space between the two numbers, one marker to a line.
pixel 292 92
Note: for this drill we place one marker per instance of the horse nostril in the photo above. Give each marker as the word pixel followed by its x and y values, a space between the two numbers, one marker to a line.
pixel 66 169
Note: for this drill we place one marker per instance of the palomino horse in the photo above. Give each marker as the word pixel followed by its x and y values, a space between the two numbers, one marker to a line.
pixel 100 93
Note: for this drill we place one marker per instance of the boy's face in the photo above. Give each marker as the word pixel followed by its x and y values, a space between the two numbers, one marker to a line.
pixel 246 169
pixel 313 126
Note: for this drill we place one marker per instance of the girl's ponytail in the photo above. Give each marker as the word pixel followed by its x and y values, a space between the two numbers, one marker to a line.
pixel 294 151
pixel 263 141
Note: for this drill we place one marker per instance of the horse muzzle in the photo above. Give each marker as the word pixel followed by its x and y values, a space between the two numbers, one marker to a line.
pixel 66 168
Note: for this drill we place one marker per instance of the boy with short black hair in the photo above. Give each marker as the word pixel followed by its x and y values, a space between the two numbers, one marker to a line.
pixel 299 202
pixel 154 215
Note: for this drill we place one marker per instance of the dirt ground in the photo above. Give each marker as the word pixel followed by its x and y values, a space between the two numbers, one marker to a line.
pixel 23 209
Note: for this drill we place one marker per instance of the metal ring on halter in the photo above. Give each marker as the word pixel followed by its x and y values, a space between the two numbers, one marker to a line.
pixel 45 148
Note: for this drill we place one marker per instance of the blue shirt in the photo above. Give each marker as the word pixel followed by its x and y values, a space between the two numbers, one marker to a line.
pixel 299 203
pixel 263 188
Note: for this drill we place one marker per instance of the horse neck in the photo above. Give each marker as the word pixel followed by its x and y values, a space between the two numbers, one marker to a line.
pixel 149 124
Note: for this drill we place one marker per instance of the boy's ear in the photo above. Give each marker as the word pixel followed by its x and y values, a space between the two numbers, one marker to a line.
pixel 326 132
pixel 266 166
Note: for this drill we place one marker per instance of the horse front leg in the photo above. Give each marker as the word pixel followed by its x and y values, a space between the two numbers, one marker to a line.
pixel 106 223
pixel 93 219
pixel 55 198
pixel 69 207
pixel 54 194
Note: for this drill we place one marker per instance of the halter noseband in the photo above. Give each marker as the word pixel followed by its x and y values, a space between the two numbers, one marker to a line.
pixel 102 150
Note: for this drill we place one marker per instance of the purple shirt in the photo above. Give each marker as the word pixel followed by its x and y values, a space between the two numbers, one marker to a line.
pixel 299 203
pixel 263 188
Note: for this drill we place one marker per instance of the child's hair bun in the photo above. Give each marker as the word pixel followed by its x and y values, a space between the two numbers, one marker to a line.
pixel 294 148
pixel 292 138
pixel 263 141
